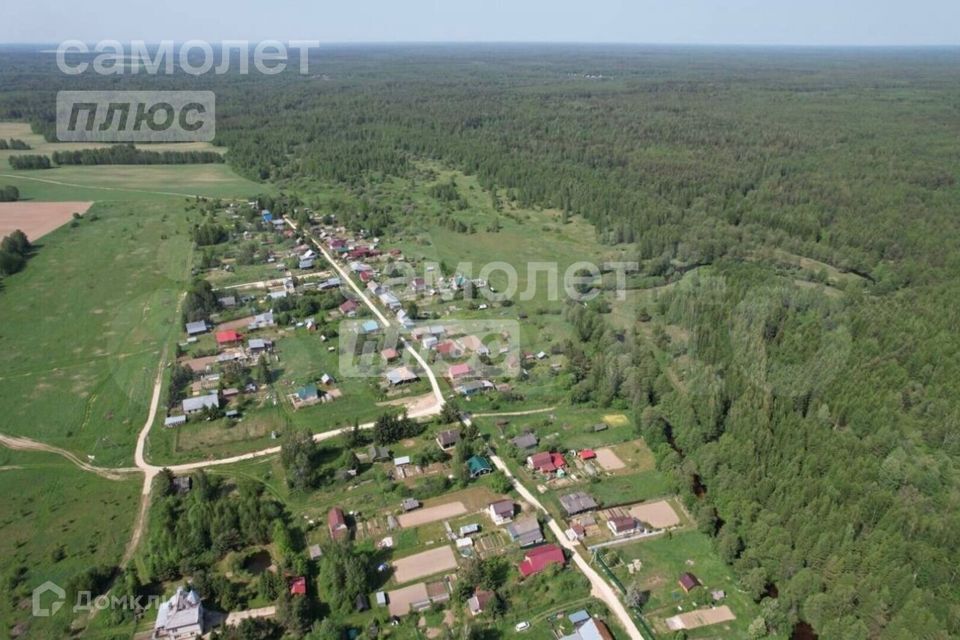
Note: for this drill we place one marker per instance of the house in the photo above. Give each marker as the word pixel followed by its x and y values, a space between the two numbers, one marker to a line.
pixel 231 392
pixel 429 342
pixel 478 466
pixel 473 387
pixel 448 439
pixel 308 393
pixel 314 551
pixel 349 308
pixel 266 215
pixel 578 617
pixel 469 529
pixel 458 371
pixel 262 320
pixel 577 502
pixel 587 454
pixel 369 326
pixel 525 441
pixel 540 559
pixel 227 302
pixel 197 404
pixel 298 586
pixel 376 454
pixel 366 276
pixel 480 600
pixel 337 524
pixel 196 328
pixel 182 484
pixel 525 531
pixel 623 525
pixel 591 629
pixel 409 504
pixel 501 511
pixel 418 284
pixel 402 461
pixel 225 338
pixel 389 355
pixel 546 462
pixel 390 301
pixel 474 344
pixel 400 375
pixel 180 617
pixel 256 346
pixel 173 421
pixel 688 582
pixel 448 348
pixel 381 597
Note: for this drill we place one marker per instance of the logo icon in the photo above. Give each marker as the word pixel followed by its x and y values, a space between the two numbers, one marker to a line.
pixel 45 612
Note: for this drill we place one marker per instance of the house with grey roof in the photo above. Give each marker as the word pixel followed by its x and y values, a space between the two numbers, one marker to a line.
pixel 196 328
pixel 180 617
pixel 525 531
pixel 199 403
pixel 577 502
pixel 400 375
pixel 525 441
pixel 174 421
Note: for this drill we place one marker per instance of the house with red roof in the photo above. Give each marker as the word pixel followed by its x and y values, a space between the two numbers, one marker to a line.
pixel 541 558
pixel 298 586
pixel 459 371
pixel 588 454
pixel 349 308
pixel 230 337
pixel 546 462
pixel 337 524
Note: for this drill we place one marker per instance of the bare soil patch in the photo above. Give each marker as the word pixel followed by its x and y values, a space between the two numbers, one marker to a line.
pixel 432 514
pixel 401 599
pixel 424 564
pixel 607 459
pixel 700 618
pixel 658 514
pixel 36 219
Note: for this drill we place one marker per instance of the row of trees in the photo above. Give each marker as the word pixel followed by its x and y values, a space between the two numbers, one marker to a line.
pixel 13 143
pixel 32 161
pixel 129 154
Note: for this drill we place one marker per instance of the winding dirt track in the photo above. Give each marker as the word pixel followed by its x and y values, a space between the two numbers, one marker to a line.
pixel 26 444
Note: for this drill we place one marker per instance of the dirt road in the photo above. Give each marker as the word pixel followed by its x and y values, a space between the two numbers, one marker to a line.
pixel 600 588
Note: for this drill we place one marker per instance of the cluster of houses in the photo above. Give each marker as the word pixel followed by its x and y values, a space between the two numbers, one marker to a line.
pixel 233 346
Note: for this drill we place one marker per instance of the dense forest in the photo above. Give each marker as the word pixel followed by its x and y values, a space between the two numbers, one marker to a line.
pixel 814 434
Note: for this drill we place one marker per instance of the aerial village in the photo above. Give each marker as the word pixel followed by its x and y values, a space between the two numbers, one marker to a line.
pixel 481 510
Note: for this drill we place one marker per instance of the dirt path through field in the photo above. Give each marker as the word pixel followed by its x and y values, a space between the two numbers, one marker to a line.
pixel 26 444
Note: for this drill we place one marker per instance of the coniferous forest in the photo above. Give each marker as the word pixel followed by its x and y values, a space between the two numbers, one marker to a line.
pixel 817 434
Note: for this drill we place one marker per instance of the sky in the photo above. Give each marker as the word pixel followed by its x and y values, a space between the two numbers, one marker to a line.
pixel 749 22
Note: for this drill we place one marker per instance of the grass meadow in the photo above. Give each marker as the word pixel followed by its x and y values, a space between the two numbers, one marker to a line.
pixel 56 522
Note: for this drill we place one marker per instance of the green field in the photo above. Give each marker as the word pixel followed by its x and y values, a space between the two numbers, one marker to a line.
pixel 51 508
pixel 663 559
pixel 82 327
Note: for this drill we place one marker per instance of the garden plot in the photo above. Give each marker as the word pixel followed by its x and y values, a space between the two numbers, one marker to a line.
pixel 425 563
pixel 432 514
pixel 659 515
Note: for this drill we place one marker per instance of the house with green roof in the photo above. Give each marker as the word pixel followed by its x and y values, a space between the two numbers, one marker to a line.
pixel 478 466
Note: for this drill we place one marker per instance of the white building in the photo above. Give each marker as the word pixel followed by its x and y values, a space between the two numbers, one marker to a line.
pixel 180 617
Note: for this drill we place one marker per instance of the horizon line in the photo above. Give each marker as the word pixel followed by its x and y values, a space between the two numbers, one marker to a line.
pixel 341 43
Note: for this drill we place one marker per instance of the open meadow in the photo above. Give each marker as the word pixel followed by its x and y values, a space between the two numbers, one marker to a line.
pixel 57 521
